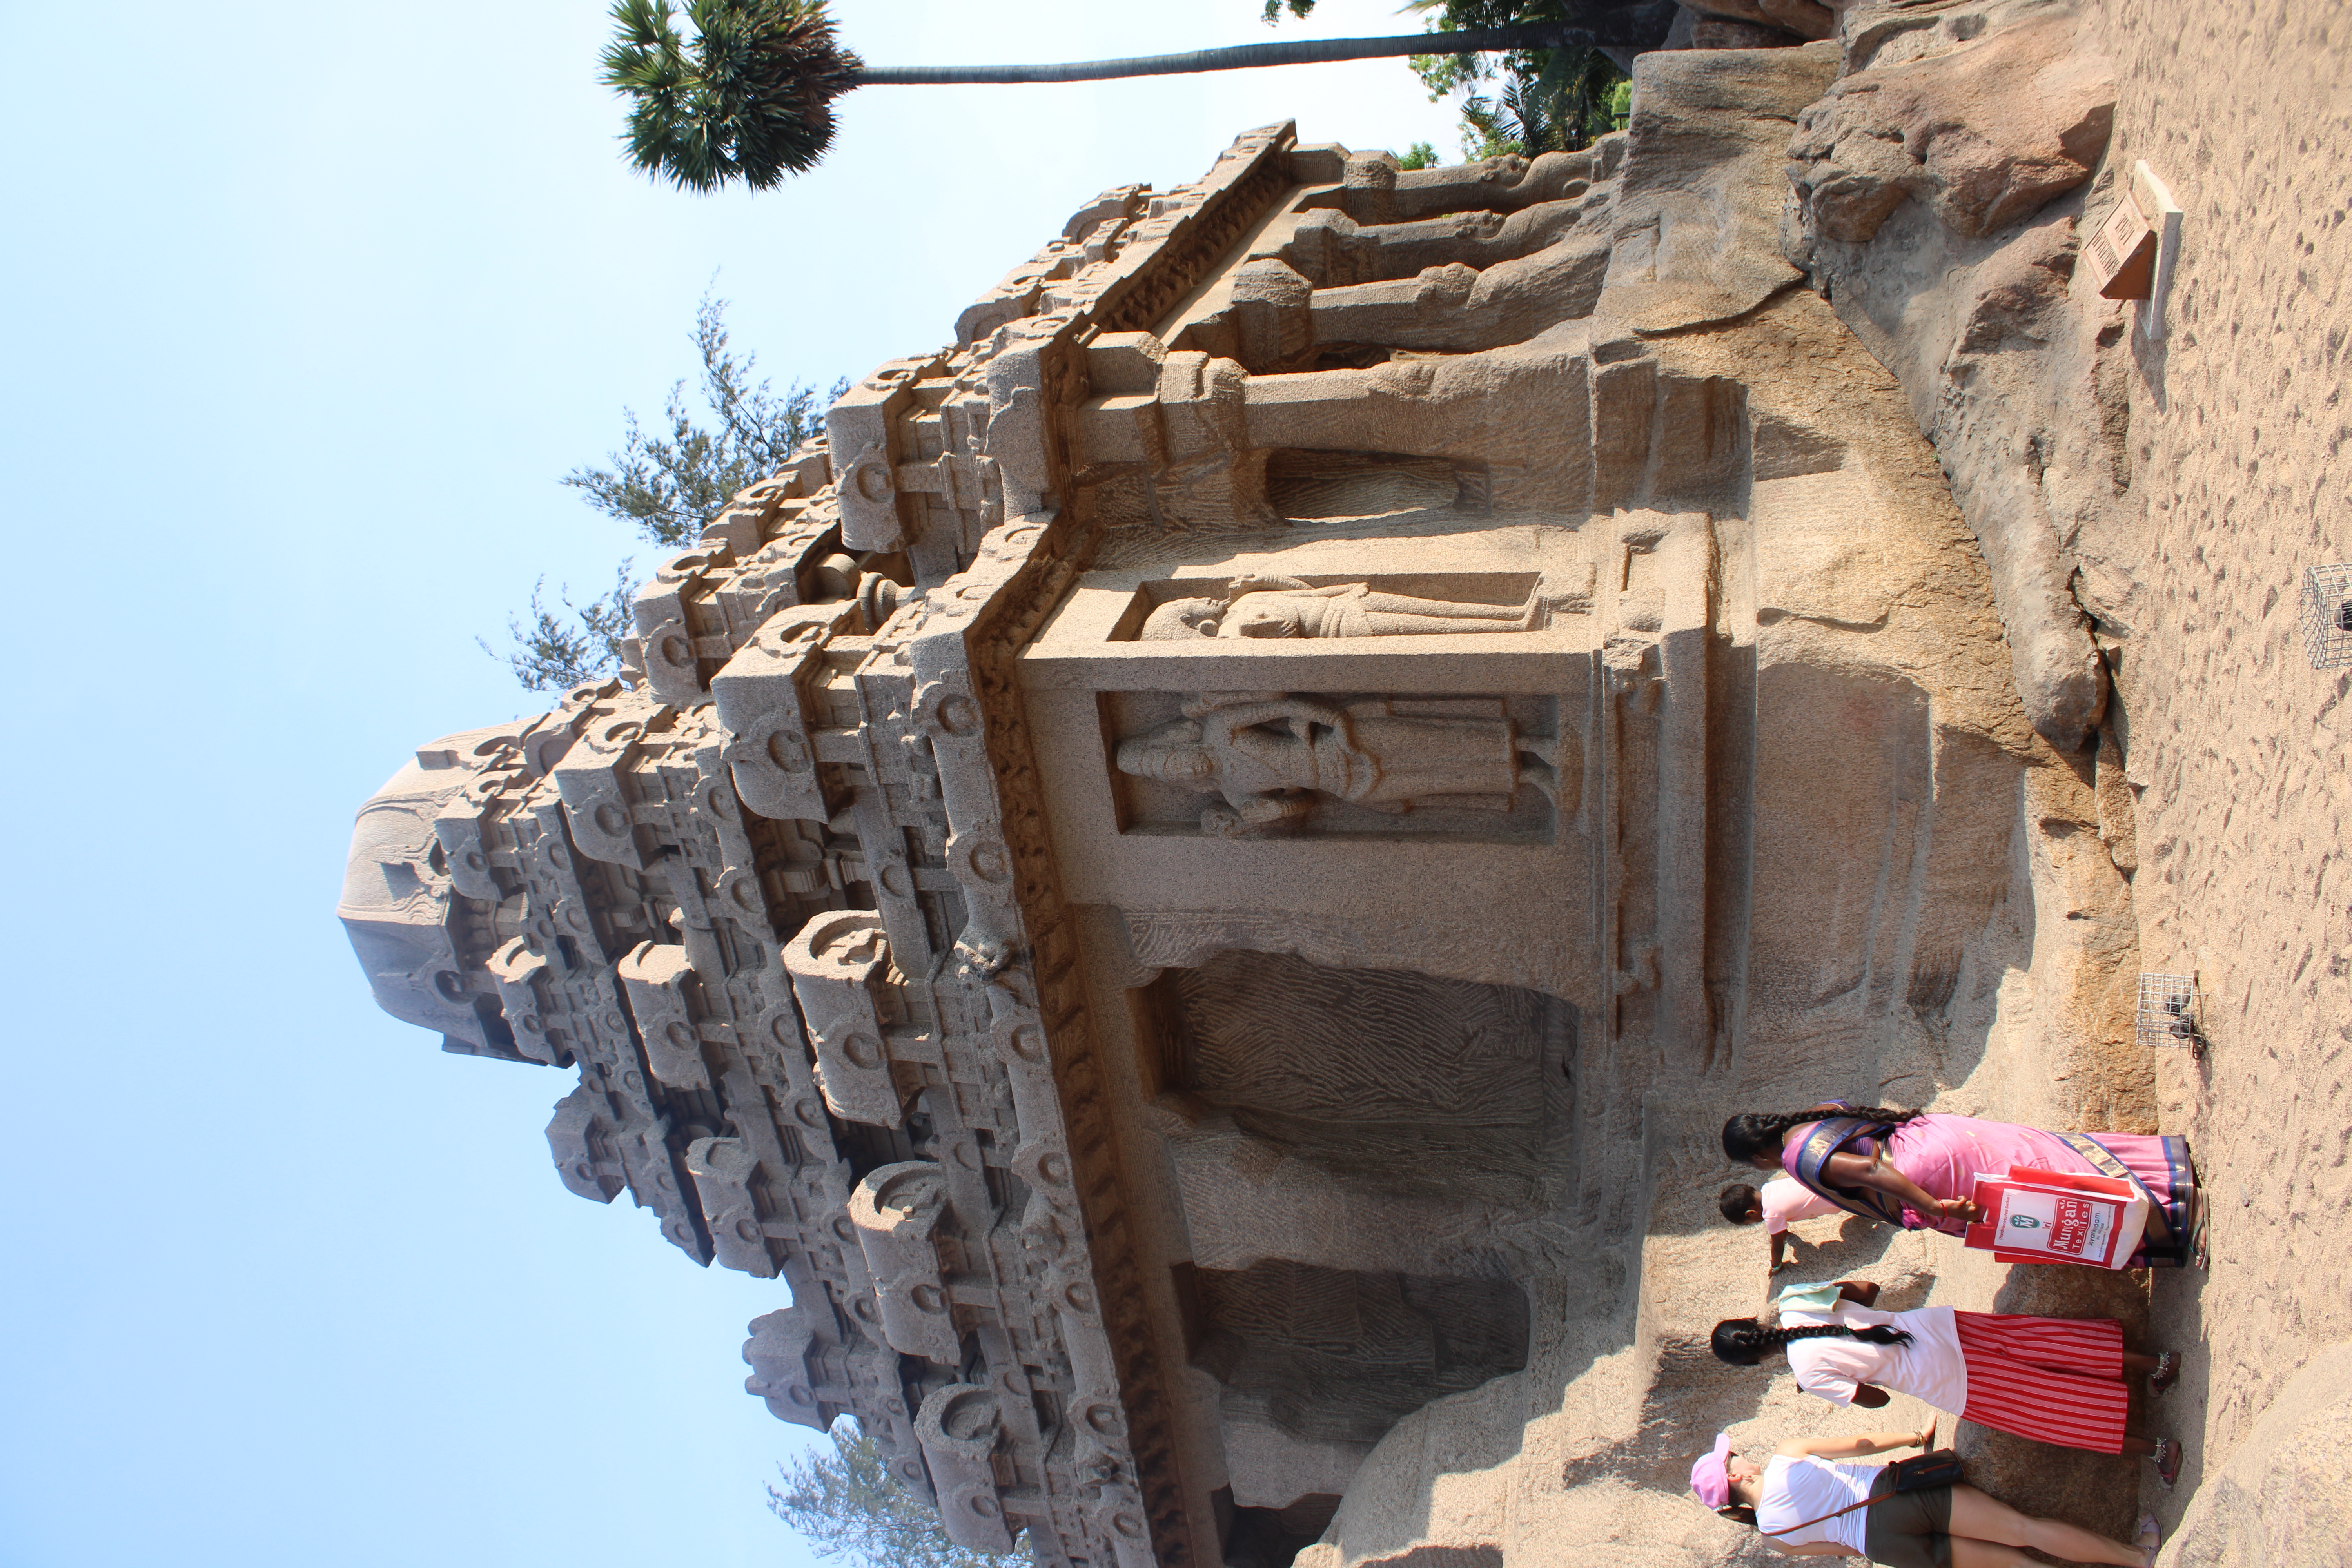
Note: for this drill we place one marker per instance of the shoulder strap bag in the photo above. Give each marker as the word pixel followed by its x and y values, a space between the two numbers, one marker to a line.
pixel 1830 1134
pixel 1920 1472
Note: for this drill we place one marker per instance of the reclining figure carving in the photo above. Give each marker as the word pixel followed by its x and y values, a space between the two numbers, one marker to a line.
pixel 1288 607
pixel 1275 757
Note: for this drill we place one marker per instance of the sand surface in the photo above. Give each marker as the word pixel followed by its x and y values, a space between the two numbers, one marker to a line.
pixel 2233 745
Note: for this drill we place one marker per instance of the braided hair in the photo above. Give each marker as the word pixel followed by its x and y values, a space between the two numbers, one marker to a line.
pixel 1744 1342
pixel 1745 1137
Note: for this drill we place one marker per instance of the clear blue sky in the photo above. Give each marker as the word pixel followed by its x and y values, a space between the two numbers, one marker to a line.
pixel 308 307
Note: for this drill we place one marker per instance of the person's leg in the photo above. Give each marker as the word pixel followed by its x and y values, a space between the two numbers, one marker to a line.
pixel 1968 1553
pixel 1982 1517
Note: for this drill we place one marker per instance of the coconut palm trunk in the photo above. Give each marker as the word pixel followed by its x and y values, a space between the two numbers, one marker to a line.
pixel 1298 52
pixel 751 98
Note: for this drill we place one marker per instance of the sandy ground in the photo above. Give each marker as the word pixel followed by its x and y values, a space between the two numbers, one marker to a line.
pixel 2235 747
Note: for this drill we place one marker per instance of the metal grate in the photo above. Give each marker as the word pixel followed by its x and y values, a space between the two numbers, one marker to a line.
pixel 2327 616
pixel 2168 1010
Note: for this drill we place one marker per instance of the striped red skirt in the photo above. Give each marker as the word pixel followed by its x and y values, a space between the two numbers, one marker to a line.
pixel 2053 1380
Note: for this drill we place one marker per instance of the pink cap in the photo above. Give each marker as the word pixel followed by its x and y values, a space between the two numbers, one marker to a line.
pixel 1709 1479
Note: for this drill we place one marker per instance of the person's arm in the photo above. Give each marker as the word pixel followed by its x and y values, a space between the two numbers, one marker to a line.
pixel 1252 811
pixel 1241 586
pixel 1854 1171
pixel 1815 1549
pixel 1224 725
pixel 1869 1396
pixel 1219 729
pixel 1861 1292
pixel 1855 1447
pixel 1201 704
pixel 1780 1243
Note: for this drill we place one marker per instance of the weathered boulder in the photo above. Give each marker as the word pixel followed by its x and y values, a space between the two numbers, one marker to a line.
pixel 1806 19
pixel 1935 195
pixel 2281 1496
pixel 1709 33
pixel 1985 134
pixel 1699 201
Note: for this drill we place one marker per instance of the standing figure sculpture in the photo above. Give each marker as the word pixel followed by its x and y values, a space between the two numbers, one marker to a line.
pixel 1288 607
pixel 1273 755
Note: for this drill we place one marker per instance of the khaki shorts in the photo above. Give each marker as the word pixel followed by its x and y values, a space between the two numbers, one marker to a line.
pixel 1909 1529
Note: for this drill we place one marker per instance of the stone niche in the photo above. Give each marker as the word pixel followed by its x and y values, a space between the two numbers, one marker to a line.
pixel 1390 1083
pixel 1335 1136
pixel 1314 1365
pixel 1435 731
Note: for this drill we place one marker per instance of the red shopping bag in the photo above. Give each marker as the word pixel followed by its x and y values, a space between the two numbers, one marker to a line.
pixel 2055 1216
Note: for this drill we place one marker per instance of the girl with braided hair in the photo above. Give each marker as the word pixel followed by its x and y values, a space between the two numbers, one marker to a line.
pixel 1918 1168
pixel 2048 1380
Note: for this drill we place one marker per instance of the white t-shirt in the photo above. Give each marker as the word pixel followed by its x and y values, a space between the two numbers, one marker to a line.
pixel 1929 1368
pixel 1795 1491
pixel 1785 1198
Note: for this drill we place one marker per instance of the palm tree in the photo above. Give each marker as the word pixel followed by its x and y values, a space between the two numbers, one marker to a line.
pixel 751 97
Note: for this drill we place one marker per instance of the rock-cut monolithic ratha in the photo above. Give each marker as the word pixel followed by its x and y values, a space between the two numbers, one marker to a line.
pixel 1193 881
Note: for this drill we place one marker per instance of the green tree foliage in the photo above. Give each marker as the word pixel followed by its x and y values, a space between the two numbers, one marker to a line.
pixel 1542 100
pixel 750 97
pixel 553 652
pixel 667 485
pixel 1420 155
pixel 846 1505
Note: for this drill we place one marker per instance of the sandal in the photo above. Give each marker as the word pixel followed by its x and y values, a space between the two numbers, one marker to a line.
pixel 2167 1372
pixel 2166 1460
pixel 2149 1537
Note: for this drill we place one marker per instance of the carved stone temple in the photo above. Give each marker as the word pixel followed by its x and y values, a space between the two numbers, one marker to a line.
pixel 1193 881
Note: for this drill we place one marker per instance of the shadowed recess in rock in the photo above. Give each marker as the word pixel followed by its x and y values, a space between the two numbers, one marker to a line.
pixel 1336 1355
pixel 1392 1082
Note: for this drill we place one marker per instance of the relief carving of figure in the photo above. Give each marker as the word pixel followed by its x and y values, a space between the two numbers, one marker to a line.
pixel 1273 757
pixel 1287 607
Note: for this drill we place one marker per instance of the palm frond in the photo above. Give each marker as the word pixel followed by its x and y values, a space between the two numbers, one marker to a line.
pixel 750 98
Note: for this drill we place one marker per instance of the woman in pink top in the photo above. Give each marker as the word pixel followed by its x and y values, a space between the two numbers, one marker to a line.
pixel 1918 1168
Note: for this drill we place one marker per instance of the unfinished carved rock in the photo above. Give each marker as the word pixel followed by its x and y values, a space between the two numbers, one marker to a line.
pixel 2276 1500
pixel 1805 19
pixel 2016 382
pixel 1984 132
